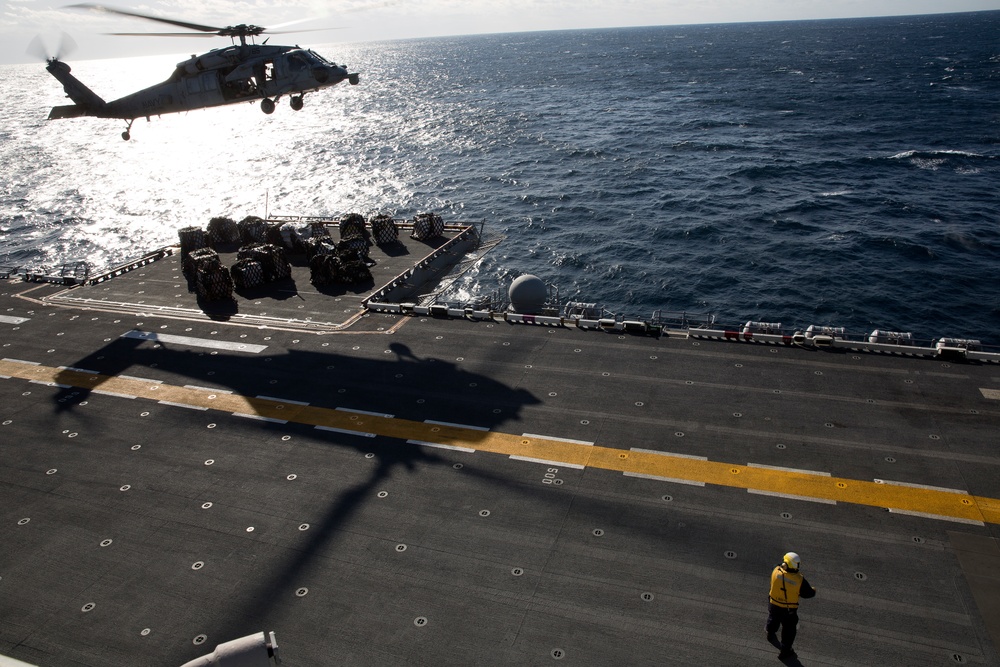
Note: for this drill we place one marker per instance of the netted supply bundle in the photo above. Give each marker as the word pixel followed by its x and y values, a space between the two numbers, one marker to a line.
pixel 355 271
pixel 353 244
pixel 273 235
pixel 384 230
pixel 291 238
pixel 247 273
pixel 252 230
pixel 351 224
pixel 427 226
pixel 192 238
pixel 324 269
pixel 223 230
pixel 214 283
pixel 319 245
pixel 201 257
pixel 271 257
pixel 316 230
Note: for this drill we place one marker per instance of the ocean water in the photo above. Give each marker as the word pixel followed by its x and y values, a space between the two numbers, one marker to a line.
pixel 840 172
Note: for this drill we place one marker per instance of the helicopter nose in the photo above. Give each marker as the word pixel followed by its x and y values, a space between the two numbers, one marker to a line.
pixel 338 73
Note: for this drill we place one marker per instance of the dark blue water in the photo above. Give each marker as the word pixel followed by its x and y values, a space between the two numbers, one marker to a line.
pixel 821 172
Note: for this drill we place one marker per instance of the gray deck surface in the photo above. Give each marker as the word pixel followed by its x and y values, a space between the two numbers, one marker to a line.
pixel 375 551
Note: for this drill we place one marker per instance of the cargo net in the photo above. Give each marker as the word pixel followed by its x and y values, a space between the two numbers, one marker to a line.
pixel 207 275
pixel 384 230
pixel 270 257
pixel 427 226
pixel 264 247
pixel 222 231
pixel 346 262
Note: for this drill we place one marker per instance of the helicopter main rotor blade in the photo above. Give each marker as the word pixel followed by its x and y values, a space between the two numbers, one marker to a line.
pixel 292 32
pixel 160 34
pixel 148 17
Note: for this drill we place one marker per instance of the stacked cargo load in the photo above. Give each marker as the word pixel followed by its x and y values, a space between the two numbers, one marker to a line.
pixel 384 230
pixel 319 245
pixel 427 226
pixel 191 238
pixel 271 258
pixel 207 275
pixel 252 230
pixel 247 273
pixel 191 260
pixel 317 230
pixel 325 269
pixel 352 224
pixel 355 271
pixel 222 231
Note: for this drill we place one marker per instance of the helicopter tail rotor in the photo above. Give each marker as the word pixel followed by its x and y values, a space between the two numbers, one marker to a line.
pixel 37 49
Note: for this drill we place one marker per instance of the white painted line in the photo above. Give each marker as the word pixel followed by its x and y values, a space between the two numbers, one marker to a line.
pixel 560 464
pixel 50 384
pixel 550 437
pixel 133 377
pixel 22 361
pixel 474 428
pixel 182 405
pixel 195 342
pixel 783 469
pixel 344 430
pixel 282 400
pixel 211 390
pixel 922 486
pixel 5 377
pixel 8 319
pixel 993 394
pixel 440 446
pixel 825 501
pixel 259 418
pixel 658 478
pixel 971 522
pixel 659 453
pixel 112 393
pixel 366 412
pixel 78 370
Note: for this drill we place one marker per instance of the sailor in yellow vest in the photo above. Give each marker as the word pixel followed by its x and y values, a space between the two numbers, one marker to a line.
pixel 787 586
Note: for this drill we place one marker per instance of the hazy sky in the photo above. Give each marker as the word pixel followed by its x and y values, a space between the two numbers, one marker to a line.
pixel 21 20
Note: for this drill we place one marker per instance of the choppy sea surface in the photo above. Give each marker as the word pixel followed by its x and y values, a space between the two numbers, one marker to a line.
pixel 841 172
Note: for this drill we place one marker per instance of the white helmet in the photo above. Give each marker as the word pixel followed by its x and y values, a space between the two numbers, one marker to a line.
pixel 792 561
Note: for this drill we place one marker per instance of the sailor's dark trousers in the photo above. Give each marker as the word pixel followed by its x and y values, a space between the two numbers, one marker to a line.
pixel 787 619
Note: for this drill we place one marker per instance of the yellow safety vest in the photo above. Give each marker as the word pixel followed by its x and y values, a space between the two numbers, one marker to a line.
pixel 785 587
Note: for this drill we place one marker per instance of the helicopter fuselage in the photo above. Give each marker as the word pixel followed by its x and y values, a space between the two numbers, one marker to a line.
pixel 237 73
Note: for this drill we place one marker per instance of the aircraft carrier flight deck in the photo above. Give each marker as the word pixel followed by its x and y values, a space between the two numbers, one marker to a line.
pixel 378 482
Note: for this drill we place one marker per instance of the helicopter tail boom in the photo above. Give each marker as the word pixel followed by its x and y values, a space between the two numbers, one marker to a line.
pixel 88 103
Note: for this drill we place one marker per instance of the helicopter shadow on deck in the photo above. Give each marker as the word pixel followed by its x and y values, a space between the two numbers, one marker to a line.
pixel 316 377
pixel 392 382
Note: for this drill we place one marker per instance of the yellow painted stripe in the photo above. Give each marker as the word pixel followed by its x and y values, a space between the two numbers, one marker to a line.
pixel 960 506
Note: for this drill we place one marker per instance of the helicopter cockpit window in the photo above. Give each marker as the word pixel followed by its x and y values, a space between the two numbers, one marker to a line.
pixel 317 58
pixel 194 84
pixel 297 63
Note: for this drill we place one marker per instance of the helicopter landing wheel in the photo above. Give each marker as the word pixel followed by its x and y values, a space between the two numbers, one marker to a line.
pixel 295 102
pixel 126 135
pixel 267 105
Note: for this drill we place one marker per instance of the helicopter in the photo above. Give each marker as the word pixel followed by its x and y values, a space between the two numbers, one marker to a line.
pixel 243 72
